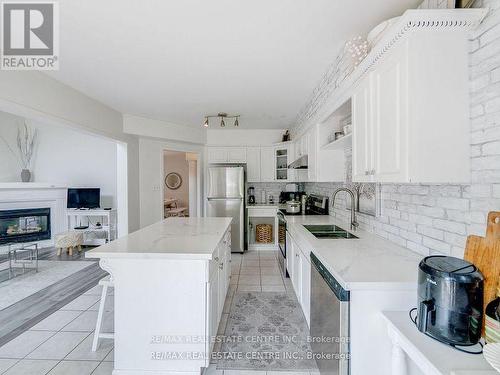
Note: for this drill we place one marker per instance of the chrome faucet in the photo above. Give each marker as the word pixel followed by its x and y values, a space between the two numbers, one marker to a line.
pixel 354 222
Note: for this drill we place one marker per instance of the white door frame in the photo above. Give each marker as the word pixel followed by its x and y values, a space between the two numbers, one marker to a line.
pixel 180 148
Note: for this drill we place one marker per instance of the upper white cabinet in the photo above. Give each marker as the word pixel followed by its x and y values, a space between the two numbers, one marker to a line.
pixel 362 139
pixel 267 164
pixel 282 157
pixel 227 155
pixel 312 154
pixel 253 164
pixel 410 114
pixel 380 117
pixel 217 155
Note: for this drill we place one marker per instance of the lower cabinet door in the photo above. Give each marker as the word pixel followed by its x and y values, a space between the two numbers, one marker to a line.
pixel 305 292
pixel 297 272
pixel 224 265
pixel 213 308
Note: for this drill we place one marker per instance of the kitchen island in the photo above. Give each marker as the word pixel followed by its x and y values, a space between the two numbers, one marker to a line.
pixel 171 280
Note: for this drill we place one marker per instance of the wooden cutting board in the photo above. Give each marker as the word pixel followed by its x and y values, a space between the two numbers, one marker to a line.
pixel 484 253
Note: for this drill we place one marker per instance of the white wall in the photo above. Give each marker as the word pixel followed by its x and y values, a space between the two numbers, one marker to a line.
pixel 243 137
pixel 38 97
pixel 63 157
pixel 151 175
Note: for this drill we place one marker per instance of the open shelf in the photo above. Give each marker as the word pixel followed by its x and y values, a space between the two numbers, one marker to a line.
pixel 341 143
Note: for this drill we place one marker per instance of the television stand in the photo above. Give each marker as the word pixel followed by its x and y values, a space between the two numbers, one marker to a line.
pixel 93 235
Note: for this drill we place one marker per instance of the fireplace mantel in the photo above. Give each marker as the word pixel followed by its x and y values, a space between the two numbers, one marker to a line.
pixel 29 185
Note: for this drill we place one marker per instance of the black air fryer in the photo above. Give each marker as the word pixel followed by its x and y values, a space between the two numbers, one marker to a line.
pixel 450 300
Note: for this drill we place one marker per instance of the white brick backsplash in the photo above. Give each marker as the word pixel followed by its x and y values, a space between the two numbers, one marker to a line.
pixel 455 239
pixel 496 191
pixel 453 203
pixel 436 212
pixel 430 232
pixel 420 219
pixel 436 218
pixel 491 148
pixel 450 226
pixel 481 191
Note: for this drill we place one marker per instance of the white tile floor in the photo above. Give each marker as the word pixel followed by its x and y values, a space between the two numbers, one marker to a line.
pixel 61 343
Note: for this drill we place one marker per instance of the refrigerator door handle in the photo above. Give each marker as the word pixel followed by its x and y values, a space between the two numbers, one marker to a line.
pixel 224 199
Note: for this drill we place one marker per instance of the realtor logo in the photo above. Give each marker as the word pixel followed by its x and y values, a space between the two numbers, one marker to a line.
pixel 30 39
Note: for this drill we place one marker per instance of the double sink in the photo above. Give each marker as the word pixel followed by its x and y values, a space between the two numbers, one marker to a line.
pixel 329 231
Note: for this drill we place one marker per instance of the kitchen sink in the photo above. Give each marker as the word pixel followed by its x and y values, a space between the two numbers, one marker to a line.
pixel 329 231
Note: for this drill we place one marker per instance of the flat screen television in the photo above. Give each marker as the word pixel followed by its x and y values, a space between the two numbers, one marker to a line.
pixel 84 198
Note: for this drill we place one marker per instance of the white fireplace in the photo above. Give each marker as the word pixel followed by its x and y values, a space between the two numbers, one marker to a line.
pixel 18 196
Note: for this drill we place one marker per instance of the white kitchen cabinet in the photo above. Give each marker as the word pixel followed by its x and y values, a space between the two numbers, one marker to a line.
pixel 217 155
pixel 261 215
pixel 410 114
pixel 224 272
pixel 253 164
pixel 213 306
pixel 305 286
pixel 267 164
pixel 362 133
pixel 289 256
pixel 282 157
pixel 299 269
pixel 226 155
pixel 295 270
pixel 236 155
pixel 312 152
pixel 390 119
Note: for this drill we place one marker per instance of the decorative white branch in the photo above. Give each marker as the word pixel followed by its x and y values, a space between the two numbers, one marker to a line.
pixel 26 138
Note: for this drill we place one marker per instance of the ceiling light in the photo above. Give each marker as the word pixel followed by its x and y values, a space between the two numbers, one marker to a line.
pixel 223 116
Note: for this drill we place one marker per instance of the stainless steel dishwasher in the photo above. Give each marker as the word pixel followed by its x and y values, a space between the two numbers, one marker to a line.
pixel 329 321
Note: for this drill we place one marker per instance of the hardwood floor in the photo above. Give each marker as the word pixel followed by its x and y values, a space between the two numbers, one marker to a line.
pixel 24 314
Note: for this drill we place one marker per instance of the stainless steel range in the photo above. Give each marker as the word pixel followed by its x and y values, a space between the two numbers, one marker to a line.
pixel 315 205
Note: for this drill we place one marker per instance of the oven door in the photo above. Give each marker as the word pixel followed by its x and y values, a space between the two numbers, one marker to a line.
pixel 281 254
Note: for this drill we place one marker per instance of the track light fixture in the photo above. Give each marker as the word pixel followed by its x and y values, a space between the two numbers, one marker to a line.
pixel 222 116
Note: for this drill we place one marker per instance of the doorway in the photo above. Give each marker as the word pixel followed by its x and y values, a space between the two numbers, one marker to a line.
pixel 180 184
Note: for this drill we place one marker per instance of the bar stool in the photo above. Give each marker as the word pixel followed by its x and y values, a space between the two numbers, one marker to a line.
pixel 106 282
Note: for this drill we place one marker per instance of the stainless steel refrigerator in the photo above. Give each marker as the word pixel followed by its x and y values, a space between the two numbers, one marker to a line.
pixel 226 198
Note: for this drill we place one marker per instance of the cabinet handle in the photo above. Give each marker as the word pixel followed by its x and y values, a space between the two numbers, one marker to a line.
pixel 221 266
pixel 216 259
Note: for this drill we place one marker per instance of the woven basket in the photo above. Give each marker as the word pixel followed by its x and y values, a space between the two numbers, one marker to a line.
pixel 264 233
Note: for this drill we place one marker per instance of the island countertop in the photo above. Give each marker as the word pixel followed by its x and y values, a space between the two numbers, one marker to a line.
pixel 172 238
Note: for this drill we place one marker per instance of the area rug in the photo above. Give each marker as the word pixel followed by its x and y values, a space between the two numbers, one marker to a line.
pixel 49 273
pixel 265 331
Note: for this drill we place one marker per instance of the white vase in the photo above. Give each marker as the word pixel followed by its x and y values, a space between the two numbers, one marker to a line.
pixel 25 175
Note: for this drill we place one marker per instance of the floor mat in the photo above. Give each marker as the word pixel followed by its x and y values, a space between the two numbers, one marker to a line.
pixel 265 331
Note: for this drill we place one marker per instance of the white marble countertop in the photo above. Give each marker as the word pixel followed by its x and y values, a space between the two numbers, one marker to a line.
pixel 433 357
pixel 369 262
pixel 172 238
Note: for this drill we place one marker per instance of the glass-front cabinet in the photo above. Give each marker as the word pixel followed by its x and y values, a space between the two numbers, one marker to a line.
pixel 283 157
